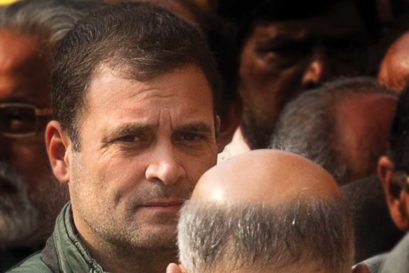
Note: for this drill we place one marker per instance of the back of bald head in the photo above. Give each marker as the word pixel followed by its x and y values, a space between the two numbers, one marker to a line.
pixel 394 68
pixel 266 177
pixel 266 211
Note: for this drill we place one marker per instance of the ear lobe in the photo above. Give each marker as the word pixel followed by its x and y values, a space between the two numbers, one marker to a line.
pixel 401 217
pixel 396 198
pixel 57 144
pixel 385 169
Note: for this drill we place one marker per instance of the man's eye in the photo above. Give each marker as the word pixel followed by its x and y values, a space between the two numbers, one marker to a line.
pixel 189 137
pixel 18 121
pixel 285 54
pixel 131 143
pixel 132 138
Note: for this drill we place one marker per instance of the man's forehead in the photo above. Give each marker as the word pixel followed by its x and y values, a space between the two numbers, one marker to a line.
pixel 24 69
pixel 152 127
pixel 119 81
pixel 340 20
pixel 176 93
pixel 18 50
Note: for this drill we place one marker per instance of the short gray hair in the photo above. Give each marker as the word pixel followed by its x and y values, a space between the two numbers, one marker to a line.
pixel 303 231
pixel 306 125
pixel 46 19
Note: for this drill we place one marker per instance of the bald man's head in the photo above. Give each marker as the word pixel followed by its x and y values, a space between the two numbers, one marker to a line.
pixel 394 68
pixel 266 211
pixel 264 176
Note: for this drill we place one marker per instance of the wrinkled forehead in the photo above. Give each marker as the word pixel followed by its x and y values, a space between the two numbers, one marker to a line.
pixel 185 90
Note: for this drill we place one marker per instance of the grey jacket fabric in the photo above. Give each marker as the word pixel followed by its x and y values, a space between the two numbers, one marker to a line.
pixel 395 261
pixel 63 253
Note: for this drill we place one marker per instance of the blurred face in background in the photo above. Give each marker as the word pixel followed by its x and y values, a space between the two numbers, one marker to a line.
pixel 30 196
pixel 281 59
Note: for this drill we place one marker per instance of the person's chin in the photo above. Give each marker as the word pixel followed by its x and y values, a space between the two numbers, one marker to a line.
pixel 158 236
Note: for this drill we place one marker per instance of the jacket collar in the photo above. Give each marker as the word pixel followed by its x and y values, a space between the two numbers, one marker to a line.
pixel 65 252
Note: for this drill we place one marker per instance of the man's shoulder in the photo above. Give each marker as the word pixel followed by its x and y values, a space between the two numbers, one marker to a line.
pixel 375 263
pixel 395 261
pixel 33 264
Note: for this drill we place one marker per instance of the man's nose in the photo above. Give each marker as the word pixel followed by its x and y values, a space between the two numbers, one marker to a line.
pixel 317 69
pixel 164 166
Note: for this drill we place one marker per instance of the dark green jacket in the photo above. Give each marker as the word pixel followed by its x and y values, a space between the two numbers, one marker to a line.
pixel 63 253
pixel 9 257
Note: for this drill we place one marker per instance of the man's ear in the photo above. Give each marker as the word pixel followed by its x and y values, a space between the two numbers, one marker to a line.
pixel 395 196
pixel 174 268
pixel 58 149
pixel 229 123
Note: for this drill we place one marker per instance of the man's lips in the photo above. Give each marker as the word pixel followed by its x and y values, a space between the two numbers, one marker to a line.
pixel 162 206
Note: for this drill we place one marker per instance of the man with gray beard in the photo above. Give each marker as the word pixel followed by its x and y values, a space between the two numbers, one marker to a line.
pixel 17 212
pixel 30 197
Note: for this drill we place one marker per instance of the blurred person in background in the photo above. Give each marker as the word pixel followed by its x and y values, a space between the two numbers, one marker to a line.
pixel 31 197
pixel 394 68
pixel 374 229
pixel 288 47
pixel 344 126
pixel 393 169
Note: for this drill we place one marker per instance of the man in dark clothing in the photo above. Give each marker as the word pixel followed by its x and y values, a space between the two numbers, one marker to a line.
pixel 393 171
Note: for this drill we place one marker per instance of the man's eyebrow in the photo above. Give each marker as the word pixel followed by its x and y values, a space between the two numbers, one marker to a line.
pixel 127 129
pixel 199 127
pixel 281 40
